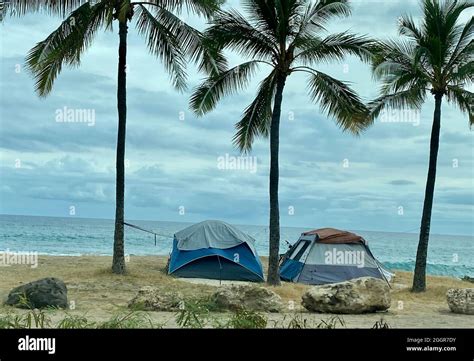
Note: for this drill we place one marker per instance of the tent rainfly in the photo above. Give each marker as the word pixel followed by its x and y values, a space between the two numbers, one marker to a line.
pixel 215 250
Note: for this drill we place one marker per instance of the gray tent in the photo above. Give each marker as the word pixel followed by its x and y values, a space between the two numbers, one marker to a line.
pixel 330 255
pixel 212 234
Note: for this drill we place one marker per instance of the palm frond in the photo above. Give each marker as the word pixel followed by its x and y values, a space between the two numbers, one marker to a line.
pixel 452 10
pixel 399 52
pixel 318 14
pixel 464 49
pixel 205 8
pixel 65 45
pixel 407 27
pixel 399 64
pixel 334 47
pixel 440 30
pixel 229 29
pixel 338 100
pixel 463 74
pixel 411 98
pixel 463 99
pixel 164 44
pixel 55 7
pixel 262 13
pixel 206 96
pixel 192 43
pixel 324 10
pixel 257 116
pixel 209 57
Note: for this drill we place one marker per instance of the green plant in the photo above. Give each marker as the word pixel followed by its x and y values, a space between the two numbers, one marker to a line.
pixel 381 324
pixel 431 57
pixel 37 318
pixel 12 321
pixel 331 322
pixel 286 37
pixel 167 37
pixel 31 319
pixel 247 319
pixel 132 319
pixel 298 322
pixel 193 314
pixel 23 301
pixel 208 303
pixel 75 322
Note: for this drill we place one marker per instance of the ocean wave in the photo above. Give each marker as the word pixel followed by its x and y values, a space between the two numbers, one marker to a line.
pixel 436 269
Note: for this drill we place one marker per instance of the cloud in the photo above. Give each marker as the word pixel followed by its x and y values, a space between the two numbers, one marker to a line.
pixel 327 177
pixel 401 182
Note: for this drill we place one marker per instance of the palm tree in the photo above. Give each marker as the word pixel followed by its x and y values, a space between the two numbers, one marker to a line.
pixel 288 36
pixel 436 57
pixel 168 38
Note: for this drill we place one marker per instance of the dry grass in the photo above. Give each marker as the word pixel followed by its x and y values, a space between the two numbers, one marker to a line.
pixel 98 293
pixel 437 287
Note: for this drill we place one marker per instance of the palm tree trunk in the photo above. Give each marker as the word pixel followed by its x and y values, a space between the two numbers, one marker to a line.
pixel 419 278
pixel 118 263
pixel 273 277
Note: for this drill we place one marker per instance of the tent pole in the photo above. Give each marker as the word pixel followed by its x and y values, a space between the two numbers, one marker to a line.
pixel 381 272
pixel 220 271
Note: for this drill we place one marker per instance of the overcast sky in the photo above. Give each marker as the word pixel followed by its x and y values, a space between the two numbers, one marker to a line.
pixel 327 178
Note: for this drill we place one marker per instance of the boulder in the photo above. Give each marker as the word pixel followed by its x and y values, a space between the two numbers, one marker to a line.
pixel 461 300
pixel 254 298
pixel 361 295
pixel 153 299
pixel 46 292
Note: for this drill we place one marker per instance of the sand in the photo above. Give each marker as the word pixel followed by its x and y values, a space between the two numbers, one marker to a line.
pixel 98 294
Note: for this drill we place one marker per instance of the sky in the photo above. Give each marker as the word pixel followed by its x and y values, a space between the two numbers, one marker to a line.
pixel 179 166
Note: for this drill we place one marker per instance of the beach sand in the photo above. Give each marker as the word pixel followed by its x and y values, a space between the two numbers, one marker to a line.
pixel 98 294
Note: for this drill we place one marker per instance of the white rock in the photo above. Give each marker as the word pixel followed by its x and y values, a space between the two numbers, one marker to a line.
pixel 461 300
pixel 361 295
pixel 255 298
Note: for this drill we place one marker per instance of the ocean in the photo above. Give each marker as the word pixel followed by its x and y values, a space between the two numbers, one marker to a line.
pixel 447 256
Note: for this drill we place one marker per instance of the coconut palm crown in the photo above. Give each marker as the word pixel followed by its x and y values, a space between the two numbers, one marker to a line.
pixel 285 36
pixel 167 37
pixel 432 58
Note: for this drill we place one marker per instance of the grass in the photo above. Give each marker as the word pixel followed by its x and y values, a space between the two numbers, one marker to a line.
pixel 382 324
pixel 298 321
pixel 130 319
pixel 403 300
pixel 97 292
pixel 247 319
pixel 192 314
pixel 75 322
pixel 28 320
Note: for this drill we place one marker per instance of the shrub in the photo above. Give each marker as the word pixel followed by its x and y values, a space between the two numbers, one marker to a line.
pixel 331 322
pixel 247 319
pixel 192 314
pixel 75 322
pixel 298 322
pixel 132 319
pixel 31 319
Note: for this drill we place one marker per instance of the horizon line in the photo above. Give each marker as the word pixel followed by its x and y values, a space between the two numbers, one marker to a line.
pixel 236 224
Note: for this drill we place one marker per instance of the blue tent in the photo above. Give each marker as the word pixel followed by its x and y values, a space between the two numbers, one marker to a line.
pixel 215 250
